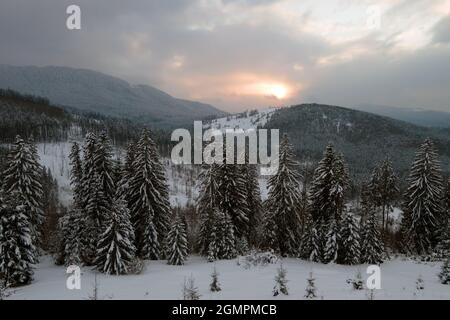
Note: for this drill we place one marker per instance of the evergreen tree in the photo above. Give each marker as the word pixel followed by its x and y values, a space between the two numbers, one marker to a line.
pixel 372 250
pixel 21 183
pixel 190 291
pixel 150 207
pixel 327 201
pixel 215 285
pixel 249 173
pixel 384 189
pixel 177 244
pixel 280 282
pixel 423 200
pixel 207 202
pixel 71 226
pixel 76 174
pixel 310 288
pixel 222 242
pixel 444 275
pixel 349 246
pixel 282 219
pixel 17 252
pixel 115 252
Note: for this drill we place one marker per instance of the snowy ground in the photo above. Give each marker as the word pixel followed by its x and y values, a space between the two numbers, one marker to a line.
pixel 161 281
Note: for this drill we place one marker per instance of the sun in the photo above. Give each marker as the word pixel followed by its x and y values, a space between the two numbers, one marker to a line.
pixel 278 91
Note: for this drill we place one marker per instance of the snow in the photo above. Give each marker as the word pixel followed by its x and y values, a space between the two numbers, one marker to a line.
pixel 162 281
pixel 249 121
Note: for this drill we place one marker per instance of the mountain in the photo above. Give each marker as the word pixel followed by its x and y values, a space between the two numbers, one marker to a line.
pixel 100 93
pixel 427 118
pixel 363 138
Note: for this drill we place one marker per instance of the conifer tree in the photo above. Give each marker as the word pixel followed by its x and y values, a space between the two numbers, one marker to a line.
pixel 444 275
pixel 372 250
pixel 311 287
pixel 215 285
pixel 332 242
pixel 71 226
pixel 384 189
pixel 222 241
pixel 177 244
pixel 76 174
pixel 349 246
pixel 423 206
pixel 249 173
pixel 280 282
pixel 115 250
pixel 150 207
pixel 282 221
pixel 190 290
pixel 17 252
pixel 21 183
pixel 207 202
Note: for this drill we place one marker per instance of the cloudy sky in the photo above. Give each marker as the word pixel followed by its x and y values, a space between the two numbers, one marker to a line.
pixel 239 54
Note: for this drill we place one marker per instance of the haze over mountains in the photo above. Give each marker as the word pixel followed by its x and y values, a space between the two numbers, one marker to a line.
pixel 96 92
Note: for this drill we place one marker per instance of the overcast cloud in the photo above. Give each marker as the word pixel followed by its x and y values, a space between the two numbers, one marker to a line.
pixel 239 54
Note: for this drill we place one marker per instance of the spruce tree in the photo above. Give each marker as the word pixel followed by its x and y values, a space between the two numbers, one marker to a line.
pixel 423 197
pixel 383 187
pixel 190 290
pixel 17 252
pixel 311 287
pixel 444 275
pixel 177 244
pixel 280 282
pixel 222 241
pixel 22 183
pixel 349 245
pixel 76 174
pixel 150 207
pixel 282 218
pixel 207 202
pixel 215 285
pixel 327 201
pixel 115 249
pixel 372 250
pixel 71 226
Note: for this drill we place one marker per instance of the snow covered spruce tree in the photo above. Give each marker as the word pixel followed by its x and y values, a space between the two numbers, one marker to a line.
pixel 215 285
pixel 71 226
pixel 327 202
pixel 22 184
pixel 207 202
pixel 372 248
pixel 249 173
pixel 150 207
pixel 423 201
pixel 384 189
pixel 127 173
pixel 176 242
pixel 115 249
pixel 280 282
pixel 76 173
pixel 17 251
pixel 282 217
pixel 349 242
pixel 222 240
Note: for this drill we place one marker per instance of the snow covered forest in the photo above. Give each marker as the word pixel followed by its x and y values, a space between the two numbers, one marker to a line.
pixel 230 235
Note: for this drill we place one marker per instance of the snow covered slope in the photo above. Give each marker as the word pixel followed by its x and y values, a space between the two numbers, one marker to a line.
pixel 244 120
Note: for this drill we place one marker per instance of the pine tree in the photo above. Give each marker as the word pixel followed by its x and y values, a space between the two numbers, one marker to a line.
pixel 215 285
pixel 311 287
pixel 177 244
pixel 150 207
pixel 423 200
pixel 115 251
pixel 372 250
pixel 349 246
pixel 222 242
pixel 332 242
pixel 384 189
pixel 17 252
pixel 21 183
pixel 76 173
pixel 280 282
pixel 282 220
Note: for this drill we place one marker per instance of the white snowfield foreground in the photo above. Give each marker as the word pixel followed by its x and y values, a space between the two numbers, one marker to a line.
pixel 162 281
